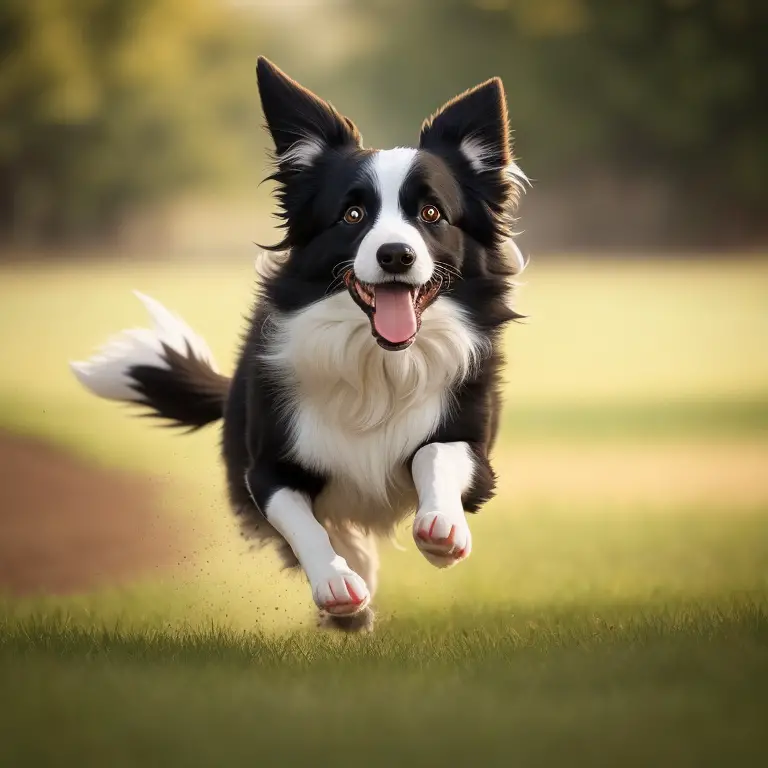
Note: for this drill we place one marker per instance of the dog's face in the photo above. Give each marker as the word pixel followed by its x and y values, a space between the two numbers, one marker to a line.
pixel 395 228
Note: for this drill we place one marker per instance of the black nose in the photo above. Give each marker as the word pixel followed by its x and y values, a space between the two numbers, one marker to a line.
pixel 395 257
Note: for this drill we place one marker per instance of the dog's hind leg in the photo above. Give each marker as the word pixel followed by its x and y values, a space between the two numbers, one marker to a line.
pixel 361 553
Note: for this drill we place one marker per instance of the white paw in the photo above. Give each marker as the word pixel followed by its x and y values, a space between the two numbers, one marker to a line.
pixel 443 541
pixel 340 591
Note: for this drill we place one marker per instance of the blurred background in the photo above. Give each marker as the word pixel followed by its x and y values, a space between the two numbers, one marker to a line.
pixel 633 457
pixel 643 124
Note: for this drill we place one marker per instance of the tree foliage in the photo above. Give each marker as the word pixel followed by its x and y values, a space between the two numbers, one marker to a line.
pixel 108 104
pixel 645 121
pixel 670 91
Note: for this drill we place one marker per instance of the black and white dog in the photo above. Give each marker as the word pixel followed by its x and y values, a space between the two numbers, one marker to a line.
pixel 368 382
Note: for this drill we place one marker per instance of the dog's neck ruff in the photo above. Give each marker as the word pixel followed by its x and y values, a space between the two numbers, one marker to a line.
pixel 344 394
pixel 327 356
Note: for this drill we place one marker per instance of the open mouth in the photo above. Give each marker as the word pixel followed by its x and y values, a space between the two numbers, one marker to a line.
pixel 394 309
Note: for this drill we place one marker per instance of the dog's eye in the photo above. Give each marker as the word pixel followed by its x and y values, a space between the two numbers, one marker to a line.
pixel 354 214
pixel 430 214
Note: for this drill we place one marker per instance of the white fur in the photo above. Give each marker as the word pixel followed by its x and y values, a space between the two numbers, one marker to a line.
pixel 481 156
pixel 303 153
pixel 332 580
pixel 388 170
pixel 107 373
pixel 359 549
pixel 516 173
pixel 513 253
pixel 476 153
pixel 358 411
pixel 442 472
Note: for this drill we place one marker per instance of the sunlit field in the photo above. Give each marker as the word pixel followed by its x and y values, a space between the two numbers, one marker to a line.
pixel 613 609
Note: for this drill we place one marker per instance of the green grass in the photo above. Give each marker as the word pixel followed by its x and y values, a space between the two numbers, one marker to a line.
pixel 533 560
pixel 600 629
pixel 684 688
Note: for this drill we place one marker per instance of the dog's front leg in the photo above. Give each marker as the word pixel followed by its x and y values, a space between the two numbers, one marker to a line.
pixel 336 588
pixel 442 473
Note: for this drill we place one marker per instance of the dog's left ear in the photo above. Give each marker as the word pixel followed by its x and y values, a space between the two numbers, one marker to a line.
pixel 474 123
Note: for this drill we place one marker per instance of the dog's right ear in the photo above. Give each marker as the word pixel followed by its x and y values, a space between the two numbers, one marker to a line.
pixel 302 125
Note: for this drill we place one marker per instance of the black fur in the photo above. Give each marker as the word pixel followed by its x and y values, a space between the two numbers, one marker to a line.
pixel 293 113
pixel 476 208
pixel 189 393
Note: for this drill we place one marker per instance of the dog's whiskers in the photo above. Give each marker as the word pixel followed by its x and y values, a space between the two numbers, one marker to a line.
pixel 338 273
pixel 448 268
pixel 444 274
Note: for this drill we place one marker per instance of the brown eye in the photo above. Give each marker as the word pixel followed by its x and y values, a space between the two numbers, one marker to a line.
pixel 430 214
pixel 354 214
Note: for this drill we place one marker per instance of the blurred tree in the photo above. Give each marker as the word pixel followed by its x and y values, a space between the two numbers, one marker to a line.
pixel 643 122
pixel 106 105
pixel 663 93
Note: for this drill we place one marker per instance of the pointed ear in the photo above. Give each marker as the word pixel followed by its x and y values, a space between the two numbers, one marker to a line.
pixel 302 125
pixel 474 123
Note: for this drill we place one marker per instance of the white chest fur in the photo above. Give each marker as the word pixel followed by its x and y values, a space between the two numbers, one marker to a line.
pixel 357 411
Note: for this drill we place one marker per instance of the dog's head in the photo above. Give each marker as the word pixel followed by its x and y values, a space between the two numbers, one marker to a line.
pixel 395 228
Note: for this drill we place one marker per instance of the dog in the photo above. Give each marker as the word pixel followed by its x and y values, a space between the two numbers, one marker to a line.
pixel 368 381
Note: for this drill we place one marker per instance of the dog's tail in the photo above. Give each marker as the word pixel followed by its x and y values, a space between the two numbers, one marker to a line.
pixel 169 370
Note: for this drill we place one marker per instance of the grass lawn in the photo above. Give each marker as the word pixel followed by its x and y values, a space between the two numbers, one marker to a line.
pixel 614 611
pixel 686 688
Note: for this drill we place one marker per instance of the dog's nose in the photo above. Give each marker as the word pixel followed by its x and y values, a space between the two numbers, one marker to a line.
pixel 395 258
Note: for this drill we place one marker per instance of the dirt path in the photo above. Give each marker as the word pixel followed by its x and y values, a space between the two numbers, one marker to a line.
pixel 67 527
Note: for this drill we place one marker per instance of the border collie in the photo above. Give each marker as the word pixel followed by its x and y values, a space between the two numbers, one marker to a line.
pixel 367 385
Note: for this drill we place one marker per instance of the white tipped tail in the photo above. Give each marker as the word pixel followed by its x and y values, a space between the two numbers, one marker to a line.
pixel 107 374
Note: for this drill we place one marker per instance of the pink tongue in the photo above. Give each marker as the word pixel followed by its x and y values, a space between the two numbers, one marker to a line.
pixel 394 318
